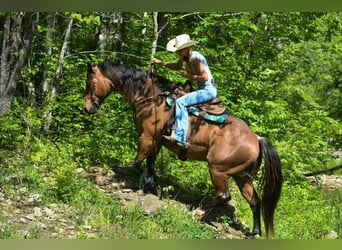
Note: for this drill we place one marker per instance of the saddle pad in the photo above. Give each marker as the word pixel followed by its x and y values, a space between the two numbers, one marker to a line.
pixel 210 117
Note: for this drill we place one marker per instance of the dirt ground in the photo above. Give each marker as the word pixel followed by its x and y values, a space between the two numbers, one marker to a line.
pixel 26 211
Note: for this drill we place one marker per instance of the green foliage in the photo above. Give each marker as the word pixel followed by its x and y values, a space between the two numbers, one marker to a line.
pixel 62 183
pixel 303 214
pixel 180 225
pixel 12 129
pixel 280 72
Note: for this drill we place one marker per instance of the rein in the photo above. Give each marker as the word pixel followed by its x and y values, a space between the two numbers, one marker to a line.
pixel 142 99
pixel 93 92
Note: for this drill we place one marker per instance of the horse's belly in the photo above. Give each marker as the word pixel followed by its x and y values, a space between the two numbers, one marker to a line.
pixel 195 152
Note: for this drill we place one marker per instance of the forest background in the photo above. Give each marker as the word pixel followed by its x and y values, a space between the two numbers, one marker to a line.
pixel 280 72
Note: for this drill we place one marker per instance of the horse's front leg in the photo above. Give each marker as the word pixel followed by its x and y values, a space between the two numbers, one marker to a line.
pixel 150 184
pixel 148 149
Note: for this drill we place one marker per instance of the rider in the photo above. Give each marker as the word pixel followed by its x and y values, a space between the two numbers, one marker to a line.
pixel 195 68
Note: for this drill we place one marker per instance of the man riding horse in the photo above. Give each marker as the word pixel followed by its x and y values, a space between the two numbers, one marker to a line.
pixel 195 68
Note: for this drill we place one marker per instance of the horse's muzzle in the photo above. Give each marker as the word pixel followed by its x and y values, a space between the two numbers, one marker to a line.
pixel 92 109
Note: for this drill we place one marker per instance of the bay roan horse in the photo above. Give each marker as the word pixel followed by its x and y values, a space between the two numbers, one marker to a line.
pixel 230 148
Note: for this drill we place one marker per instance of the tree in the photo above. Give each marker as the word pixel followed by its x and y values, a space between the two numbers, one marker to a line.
pixel 53 89
pixel 15 50
pixel 108 32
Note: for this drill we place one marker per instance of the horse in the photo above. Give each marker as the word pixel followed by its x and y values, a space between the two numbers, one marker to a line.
pixel 231 149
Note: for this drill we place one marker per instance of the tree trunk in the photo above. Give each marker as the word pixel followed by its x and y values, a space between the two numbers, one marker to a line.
pixel 51 25
pixel 160 24
pixel 162 30
pixel 61 57
pixel 155 33
pixel 47 75
pixel 11 65
pixel 58 73
pixel 4 71
pixel 109 31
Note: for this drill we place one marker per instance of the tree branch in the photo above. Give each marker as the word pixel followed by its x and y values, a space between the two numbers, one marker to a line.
pixel 325 171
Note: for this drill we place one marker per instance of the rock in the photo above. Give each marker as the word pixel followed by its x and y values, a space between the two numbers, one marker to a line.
pixel 326 181
pixel 41 225
pixel 24 233
pixel 337 154
pixel 23 220
pixel 37 211
pixel 140 192
pixel 29 217
pixel 332 235
pixel 127 190
pixel 24 211
pixel 81 172
pixel 34 199
pixel 49 213
pixel 151 204
pixel 116 185
pixel 198 213
pixel 101 180
pixel 23 189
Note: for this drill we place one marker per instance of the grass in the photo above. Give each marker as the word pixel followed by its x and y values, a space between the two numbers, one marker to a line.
pixel 49 169
pixel 82 206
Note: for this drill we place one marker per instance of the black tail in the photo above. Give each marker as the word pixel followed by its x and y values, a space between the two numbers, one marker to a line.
pixel 272 181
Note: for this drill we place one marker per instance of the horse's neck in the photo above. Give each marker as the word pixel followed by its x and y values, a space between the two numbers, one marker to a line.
pixel 149 90
pixel 147 112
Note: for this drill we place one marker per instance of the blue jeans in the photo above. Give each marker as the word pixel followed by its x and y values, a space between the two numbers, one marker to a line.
pixel 204 94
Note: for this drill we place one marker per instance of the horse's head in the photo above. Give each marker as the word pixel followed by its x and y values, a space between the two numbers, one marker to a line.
pixel 97 89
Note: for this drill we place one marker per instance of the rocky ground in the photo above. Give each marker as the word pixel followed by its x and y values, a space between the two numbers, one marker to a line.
pixel 26 212
pixel 326 181
pixel 31 219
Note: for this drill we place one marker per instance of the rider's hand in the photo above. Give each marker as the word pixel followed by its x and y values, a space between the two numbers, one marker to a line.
pixel 156 61
pixel 184 73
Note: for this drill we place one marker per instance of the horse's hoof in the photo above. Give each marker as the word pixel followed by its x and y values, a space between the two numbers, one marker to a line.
pixel 251 236
pixel 150 190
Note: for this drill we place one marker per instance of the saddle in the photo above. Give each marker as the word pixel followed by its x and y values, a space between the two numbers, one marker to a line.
pixel 210 111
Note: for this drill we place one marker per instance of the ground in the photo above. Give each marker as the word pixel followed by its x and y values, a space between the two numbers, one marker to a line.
pixel 30 218
pixel 26 213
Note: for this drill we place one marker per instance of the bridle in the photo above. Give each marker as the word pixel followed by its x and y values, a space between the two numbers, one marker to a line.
pixel 93 92
pixel 93 84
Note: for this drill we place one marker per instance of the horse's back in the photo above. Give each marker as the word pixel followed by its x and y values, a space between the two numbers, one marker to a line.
pixel 233 131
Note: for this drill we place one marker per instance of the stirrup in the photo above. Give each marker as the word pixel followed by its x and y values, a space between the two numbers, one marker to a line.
pixel 171 137
pixel 185 145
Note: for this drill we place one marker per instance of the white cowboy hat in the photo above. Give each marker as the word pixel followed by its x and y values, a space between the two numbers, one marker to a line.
pixel 180 42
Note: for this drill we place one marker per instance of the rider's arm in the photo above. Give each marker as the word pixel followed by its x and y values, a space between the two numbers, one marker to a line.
pixel 171 65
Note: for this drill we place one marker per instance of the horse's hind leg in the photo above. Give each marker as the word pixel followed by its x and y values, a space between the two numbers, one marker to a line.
pixel 220 182
pixel 245 185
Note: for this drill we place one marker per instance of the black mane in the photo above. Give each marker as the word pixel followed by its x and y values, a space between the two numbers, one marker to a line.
pixel 130 79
